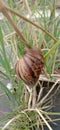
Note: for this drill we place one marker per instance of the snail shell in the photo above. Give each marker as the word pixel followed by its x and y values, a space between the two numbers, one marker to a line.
pixel 29 67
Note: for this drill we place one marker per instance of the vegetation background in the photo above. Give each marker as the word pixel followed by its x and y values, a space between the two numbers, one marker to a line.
pixel 44 34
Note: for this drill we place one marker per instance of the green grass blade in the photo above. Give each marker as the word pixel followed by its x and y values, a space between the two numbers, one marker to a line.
pixel 52 49
pixel 3 57
pixel 8 93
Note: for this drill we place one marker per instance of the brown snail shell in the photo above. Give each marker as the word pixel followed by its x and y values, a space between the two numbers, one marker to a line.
pixel 29 67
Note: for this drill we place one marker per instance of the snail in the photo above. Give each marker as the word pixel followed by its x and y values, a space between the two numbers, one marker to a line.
pixel 29 67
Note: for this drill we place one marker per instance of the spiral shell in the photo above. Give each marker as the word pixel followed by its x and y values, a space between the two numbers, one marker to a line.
pixel 29 67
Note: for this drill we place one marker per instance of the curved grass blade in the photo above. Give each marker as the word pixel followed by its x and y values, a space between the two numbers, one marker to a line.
pixel 8 93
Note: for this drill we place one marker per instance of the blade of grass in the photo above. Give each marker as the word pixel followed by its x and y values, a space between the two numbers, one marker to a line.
pixel 3 75
pixel 4 60
pixel 8 93
pixel 7 15
pixel 41 115
pixel 31 22
pixel 2 6
pixel 52 49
